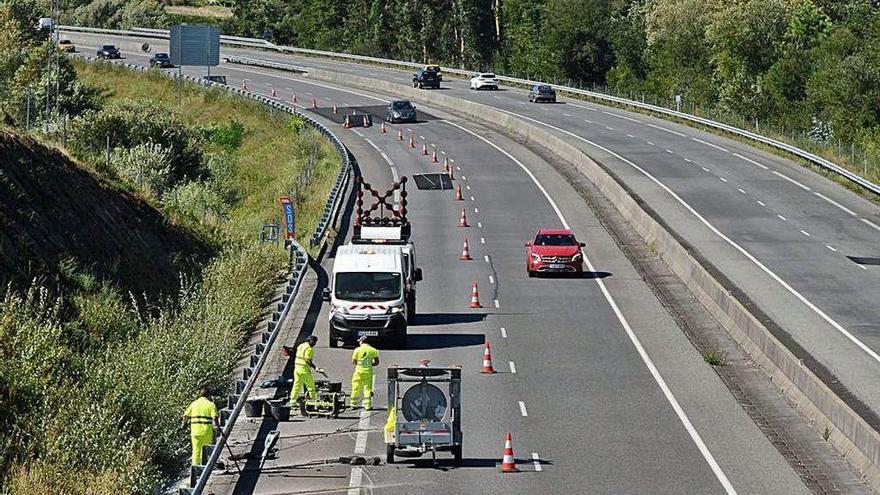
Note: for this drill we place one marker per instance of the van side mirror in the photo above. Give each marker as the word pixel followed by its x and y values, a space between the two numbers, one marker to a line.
pixel 582 244
pixel 418 275
pixel 325 294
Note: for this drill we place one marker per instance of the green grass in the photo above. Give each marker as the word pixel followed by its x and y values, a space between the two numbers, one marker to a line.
pixel 269 160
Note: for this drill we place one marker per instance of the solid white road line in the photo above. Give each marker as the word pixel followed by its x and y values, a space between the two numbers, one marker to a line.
pixel 837 326
pixel 835 203
pixel 805 188
pixel 782 218
pixel 512 367
pixel 753 162
pixel 358 133
pixel 870 223
pixel 667 130
pixel 536 460
pixel 707 143
pixel 831 248
pixel 522 409
pixel 504 332
pixel 649 363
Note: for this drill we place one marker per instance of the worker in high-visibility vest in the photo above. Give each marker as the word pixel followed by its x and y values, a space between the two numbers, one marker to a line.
pixel 363 358
pixel 303 365
pixel 202 417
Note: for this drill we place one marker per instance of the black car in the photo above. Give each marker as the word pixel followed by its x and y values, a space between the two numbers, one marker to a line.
pixel 400 111
pixel 542 92
pixel 108 51
pixel 161 60
pixel 426 78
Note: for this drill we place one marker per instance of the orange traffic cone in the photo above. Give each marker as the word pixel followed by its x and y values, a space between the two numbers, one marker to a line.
pixel 508 463
pixel 346 124
pixel 294 98
pixel 314 103
pixel 334 110
pixel 400 135
pixel 462 222
pixel 425 149
pixel 458 193
pixel 366 121
pixel 445 162
pixel 434 156
pixel 465 251
pixel 448 170
pixel 412 142
pixel 274 94
pixel 475 303
pixel 382 128
pixel 487 359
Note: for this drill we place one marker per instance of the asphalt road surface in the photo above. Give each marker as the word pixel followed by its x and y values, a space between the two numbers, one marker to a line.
pixel 602 391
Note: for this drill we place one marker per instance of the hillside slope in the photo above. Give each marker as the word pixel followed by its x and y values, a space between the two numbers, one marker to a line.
pixel 52 210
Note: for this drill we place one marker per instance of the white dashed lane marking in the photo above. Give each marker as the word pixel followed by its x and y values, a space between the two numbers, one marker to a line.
pixel 497 304
pixel 761 203
pixel 831 248
pixel 650 143
pixel 536 460
pixel 723 179
pixel 707 143
pixel 482 240
pixel 522 409
pixel 805 188
pixel 669 151
pixel 740 190
pixel 753 162
pixel 667 130
pixel 504 332
pixel 835 203
pixel 782 218
pixel 806 233
pixel 512 367
pixel 491 279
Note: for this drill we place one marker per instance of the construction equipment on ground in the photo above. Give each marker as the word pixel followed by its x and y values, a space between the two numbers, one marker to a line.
pixel 424 405
pixel 331 401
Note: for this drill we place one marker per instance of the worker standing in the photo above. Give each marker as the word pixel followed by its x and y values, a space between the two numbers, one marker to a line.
pixel 363 358
pixel 202 417
pixel 303 365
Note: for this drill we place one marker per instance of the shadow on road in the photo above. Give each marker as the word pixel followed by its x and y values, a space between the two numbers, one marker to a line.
pixel 444 462
pixel 431 319
pixel 426 341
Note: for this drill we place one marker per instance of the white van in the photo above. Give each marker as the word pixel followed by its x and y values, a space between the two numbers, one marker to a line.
pixel 372 293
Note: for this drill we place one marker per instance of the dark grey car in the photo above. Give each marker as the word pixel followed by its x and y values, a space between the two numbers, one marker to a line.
pixel 425 78
pixel 542 92
pixel 108 51
pixel 161 60
pixel 400 111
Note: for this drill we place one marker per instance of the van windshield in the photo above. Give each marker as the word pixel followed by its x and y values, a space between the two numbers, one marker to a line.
pixel 360 286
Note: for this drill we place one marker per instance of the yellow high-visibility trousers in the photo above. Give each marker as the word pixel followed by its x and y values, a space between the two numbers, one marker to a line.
pixel 362 382
pixel 198 441
pixel 302 377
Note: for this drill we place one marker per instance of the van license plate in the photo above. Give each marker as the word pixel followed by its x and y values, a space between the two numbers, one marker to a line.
pixel 368 333
pixel 557 266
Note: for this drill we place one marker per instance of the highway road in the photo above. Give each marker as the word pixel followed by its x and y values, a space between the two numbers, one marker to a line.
pixel 599 386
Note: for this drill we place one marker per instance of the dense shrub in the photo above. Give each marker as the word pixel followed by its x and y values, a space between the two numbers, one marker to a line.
pixel 131 123
pixel 228 137
pixel 145 166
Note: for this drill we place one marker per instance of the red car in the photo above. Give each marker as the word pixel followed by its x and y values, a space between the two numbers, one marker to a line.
pixel 554 250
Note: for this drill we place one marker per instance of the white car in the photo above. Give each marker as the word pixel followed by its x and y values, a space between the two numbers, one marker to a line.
pixel 484 80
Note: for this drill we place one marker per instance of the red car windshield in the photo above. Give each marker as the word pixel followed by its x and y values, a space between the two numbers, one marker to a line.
pixel 555 240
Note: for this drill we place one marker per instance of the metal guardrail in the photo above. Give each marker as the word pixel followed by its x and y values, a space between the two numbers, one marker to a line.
pixel 235 401
pixel 793 150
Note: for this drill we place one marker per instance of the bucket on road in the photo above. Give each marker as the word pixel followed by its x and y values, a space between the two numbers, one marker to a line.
pixel 280 409
pixel 253 408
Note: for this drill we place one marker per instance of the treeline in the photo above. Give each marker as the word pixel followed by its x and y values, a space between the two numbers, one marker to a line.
pixel 810 65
